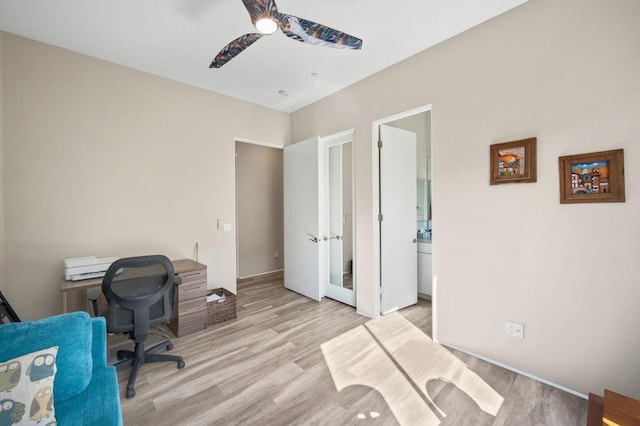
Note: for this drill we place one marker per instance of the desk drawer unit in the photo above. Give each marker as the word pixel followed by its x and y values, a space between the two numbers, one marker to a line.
pixel 192 302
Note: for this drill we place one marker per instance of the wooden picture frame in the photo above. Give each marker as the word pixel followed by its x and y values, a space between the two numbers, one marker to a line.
pixel 596 177
pixel 513 162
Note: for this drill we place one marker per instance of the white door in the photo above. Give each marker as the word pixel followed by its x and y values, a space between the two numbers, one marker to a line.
pixel 398 202
pixel 302 241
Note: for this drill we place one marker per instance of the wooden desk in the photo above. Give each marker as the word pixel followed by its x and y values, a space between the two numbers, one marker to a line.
pixel 192 296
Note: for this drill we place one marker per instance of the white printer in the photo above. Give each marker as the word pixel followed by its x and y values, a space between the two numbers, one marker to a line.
pixel 84 268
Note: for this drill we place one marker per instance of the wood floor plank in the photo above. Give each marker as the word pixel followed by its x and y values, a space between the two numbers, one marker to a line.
pixel 267 368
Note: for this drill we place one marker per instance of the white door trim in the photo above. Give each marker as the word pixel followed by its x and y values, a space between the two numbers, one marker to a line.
pixel 375 135
pixel 269 144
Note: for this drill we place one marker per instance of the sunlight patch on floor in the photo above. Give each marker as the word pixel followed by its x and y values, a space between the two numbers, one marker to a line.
pixel 394 357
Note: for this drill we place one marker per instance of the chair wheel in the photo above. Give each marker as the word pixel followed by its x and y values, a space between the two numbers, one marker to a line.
pixel 169 346
pixel 131 393
pixel 181 364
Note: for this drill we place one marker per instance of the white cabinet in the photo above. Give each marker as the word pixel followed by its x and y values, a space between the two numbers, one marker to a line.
pixel 425 271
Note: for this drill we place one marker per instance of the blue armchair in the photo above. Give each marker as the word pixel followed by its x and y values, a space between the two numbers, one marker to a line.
pixel 85 390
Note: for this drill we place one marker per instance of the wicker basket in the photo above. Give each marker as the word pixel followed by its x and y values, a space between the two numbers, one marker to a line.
pixel 221 310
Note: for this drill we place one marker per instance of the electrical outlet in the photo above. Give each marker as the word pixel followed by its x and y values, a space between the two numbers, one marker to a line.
pixel 515 330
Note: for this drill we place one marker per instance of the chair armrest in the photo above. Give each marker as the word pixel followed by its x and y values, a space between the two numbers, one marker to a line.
pixel 94 293
pixel 99 343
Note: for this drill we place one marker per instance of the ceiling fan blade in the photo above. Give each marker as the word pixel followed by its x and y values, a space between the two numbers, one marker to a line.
pixel 260 8
pixel 313 33
pixel 232 49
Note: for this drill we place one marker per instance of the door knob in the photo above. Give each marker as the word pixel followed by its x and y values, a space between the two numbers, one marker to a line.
pixel 415 240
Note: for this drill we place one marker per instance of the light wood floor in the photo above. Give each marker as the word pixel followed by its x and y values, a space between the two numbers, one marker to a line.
pixel 267 368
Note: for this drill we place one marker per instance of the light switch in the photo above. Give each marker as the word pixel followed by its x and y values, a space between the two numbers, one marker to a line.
pixel 227 227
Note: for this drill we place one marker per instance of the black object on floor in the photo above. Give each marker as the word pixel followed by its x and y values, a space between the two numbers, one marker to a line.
pixel 7 314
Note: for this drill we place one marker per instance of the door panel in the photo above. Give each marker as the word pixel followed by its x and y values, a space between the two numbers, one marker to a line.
pixel 302 255
pixel 335 214
pixel 398 201
pixel 341 284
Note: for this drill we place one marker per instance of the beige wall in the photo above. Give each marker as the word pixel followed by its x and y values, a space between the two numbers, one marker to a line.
pixel 260 209
pixel 103 160
pixel 1 177
pixel 567 73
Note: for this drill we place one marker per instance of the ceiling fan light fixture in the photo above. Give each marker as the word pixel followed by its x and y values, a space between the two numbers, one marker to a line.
pixel 266 18
pixel 266 25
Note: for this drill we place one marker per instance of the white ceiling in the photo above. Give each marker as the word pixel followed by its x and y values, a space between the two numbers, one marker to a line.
pixel 177 39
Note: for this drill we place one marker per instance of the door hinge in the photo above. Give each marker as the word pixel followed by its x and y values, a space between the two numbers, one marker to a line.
pixel 379 143
pixel 380 217
pixel 381 289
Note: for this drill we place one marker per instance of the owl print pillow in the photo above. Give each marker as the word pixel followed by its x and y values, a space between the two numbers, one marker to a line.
pixel 26 389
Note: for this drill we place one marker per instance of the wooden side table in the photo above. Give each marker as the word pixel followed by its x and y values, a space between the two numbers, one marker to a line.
pixel 613 410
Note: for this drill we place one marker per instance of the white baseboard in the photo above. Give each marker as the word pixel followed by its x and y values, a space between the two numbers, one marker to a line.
pixel 524 373
pixel 260 274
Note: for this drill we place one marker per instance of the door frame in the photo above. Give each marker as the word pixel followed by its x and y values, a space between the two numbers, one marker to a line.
pixel 375 136
pixel 235 192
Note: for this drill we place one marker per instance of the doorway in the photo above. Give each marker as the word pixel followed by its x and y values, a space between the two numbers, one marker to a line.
pixel 399 274
pixel 259 209
pixel 420 124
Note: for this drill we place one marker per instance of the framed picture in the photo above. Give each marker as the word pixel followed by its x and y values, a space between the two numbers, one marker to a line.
pixel 513 162
pixel 597 177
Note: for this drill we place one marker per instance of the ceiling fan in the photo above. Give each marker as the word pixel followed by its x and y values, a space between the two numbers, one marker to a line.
pixel 266 18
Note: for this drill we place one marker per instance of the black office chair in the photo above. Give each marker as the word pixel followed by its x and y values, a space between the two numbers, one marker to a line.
pixel 141 293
